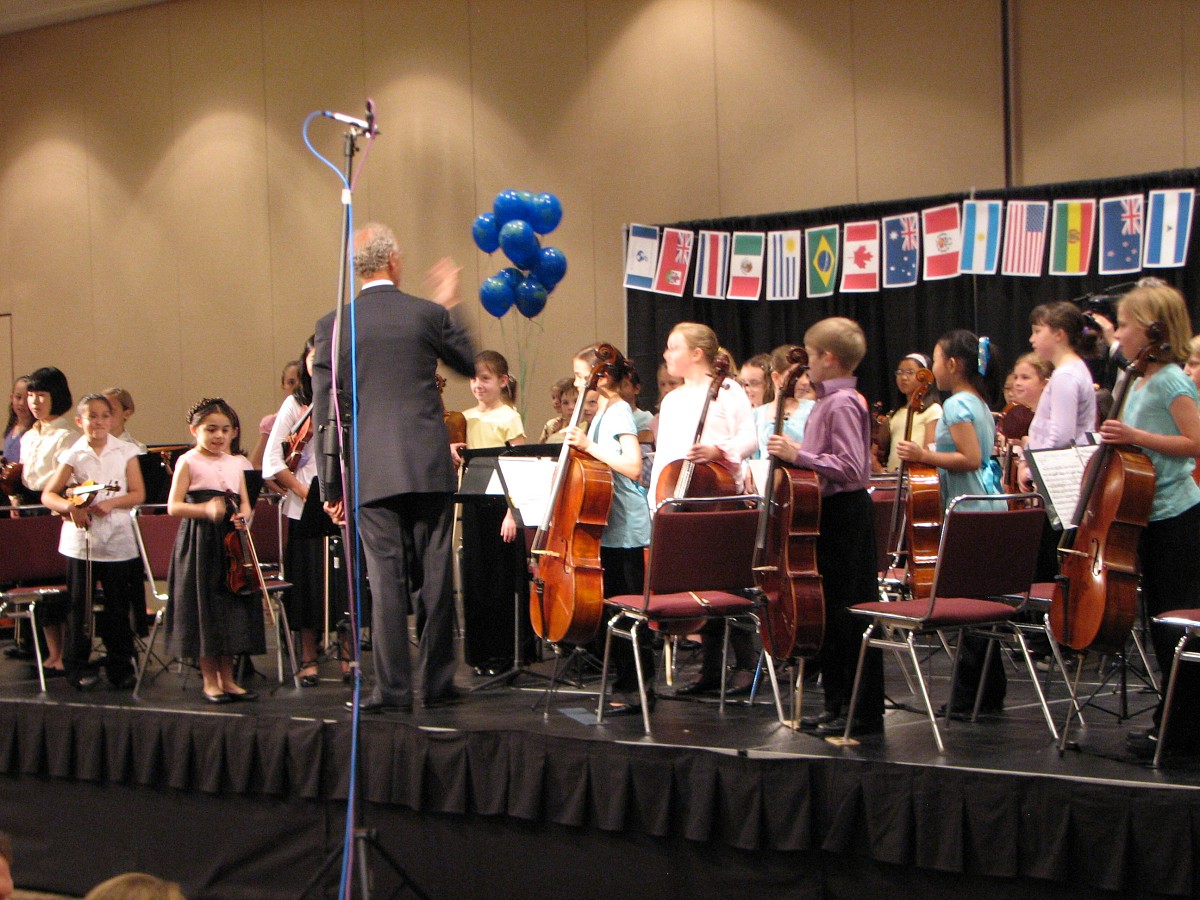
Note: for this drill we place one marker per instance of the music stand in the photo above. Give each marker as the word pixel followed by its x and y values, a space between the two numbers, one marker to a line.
pixel 482 477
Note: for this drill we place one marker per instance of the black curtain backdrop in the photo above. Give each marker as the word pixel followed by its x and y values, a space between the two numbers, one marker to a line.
pixel 902 320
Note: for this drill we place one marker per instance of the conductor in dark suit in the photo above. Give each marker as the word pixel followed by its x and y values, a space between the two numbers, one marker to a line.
pixel 405 473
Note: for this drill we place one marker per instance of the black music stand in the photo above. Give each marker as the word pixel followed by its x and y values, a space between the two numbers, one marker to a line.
pixel 482 478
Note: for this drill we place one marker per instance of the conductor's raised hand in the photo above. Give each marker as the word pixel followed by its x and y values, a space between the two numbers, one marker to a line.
pixel 442 283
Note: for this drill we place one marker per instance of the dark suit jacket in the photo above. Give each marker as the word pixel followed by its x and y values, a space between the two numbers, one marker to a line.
pixel 403 444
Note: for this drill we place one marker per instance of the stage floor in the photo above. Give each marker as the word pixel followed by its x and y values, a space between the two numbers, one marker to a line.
pixel 1012 754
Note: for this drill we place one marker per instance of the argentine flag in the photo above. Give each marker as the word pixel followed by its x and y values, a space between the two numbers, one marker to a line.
pixel 981 236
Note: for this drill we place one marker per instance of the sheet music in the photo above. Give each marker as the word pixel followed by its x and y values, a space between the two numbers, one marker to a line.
pixel 758 473
pixel 529 480
pixel 1058 475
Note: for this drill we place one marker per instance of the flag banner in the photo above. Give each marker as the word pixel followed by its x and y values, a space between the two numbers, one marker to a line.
pixel 712 265
pixel 1168 227
pixel 860 264
pixel 981 236
pixel 821 259
pixel 1072 237
pixel 900 243
pixel 943 241
pixel 746 265
pixel 674 257
pixel 1121 221
pixel 640 255
pixel 1024 237
pixel 783 265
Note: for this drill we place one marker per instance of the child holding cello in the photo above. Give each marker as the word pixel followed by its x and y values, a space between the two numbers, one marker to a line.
pixel 612 438
pixel 727 439
pixel 206 620
pixel 837 446
pixel 100 531
pixel 966 372
pixel 1161 418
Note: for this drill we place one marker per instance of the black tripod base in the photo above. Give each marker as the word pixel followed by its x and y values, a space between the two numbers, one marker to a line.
pixel 365 841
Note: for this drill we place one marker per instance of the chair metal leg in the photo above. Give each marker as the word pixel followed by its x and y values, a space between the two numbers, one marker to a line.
pixel 1037 684
pixel 954 672
pixel 862 656
pixel 1062 667
pixel 916 661
pixel 1166 714
pixel 1141 650
pixel 145 660
pixel 37 648
pixel 608 635
pixel 285 631
pixel 637 664
pixel 796 699
pixel 987 665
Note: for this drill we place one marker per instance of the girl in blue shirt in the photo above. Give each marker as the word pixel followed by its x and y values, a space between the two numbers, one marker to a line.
pixel 612 438
pixel 1161 418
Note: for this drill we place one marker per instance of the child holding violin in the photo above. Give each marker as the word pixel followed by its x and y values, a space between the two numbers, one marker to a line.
pixel 206 620
pixel 924 421
pixel 97 527
pixel 493 560
pixel 966 370
pixel 837 446
pixel 728 438
pixel 612 438
pixel 294 469
pixel 1160 417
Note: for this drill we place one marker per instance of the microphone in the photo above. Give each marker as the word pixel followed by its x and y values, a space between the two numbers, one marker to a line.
pixel 372 130
pixel 368 126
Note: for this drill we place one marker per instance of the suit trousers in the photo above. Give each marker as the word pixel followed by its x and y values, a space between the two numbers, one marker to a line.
pixel 422 523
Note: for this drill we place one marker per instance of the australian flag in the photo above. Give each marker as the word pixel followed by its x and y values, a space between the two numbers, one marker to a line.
pixel 901 248
pixel 1121 229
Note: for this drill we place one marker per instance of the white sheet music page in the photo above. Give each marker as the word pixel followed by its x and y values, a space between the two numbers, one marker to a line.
pixel 1058 475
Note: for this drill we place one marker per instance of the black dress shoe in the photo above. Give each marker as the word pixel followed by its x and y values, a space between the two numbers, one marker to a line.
pixel 447 698
pixel 616 708
pixel 54 673
pixel 124 682
pixel 376 707
pixel 244 696
pixel 219 699
pixel 1142 744
pixel 700 687
pixel 836 727
pixel 83 681
pixel 812 723
pixel 741 691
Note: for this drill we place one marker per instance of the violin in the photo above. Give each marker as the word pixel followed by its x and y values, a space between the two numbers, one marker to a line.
pixel 456 422
pixel 297 440
pixel 786 553
pixel 241 573
pixel 682 477
pixel 566 599
pixel 1095 598
pixel 83 494
pixel 10 476
pixel 923 504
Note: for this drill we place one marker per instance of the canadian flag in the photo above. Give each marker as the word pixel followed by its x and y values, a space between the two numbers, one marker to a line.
pixel 860 260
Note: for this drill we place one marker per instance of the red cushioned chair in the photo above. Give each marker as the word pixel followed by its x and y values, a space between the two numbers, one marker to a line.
pixel 1189 620
pixel 985 559
pixel 31 569
pixel 701 567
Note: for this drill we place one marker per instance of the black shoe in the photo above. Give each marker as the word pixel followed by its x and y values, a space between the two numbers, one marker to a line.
pixel 124 682
pixel 309 681
pixel 377 707
pixel 220 699
pixel 700 687
pixel 742 691
pixel 632 708
pixel 1142 744
pixel 447 698
pixel 243 697
pixel 83 681
pixel 54 673
pixel 812 723
pixel 837 726
pixel 18 653
pixel 963 713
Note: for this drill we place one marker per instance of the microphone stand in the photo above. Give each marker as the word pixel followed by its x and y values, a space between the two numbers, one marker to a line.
pixel 364 839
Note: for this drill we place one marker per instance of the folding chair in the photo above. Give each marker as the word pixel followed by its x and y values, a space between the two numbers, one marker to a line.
pixel 30 568
pixel 701 567
pixel 269 530
pixel 155 531
pixel 965 584
pixel 1189 621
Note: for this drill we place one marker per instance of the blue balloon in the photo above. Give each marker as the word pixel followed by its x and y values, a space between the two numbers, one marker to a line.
pixel 519 242
pixel 545 213
pixel 509 205
pixel 497 295
pixel 512 275
pixel 531 297
pixel 551 266
pixel 485 232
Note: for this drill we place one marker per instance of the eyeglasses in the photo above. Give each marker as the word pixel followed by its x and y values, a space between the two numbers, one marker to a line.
pixel 908 373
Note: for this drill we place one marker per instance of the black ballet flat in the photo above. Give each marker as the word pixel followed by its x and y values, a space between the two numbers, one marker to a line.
pixel 243 697
pixel 220 699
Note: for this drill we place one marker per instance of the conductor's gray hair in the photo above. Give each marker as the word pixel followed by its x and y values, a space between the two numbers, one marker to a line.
pixel 373 248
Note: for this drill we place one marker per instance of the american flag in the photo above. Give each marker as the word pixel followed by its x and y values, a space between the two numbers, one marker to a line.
pixel 1024 237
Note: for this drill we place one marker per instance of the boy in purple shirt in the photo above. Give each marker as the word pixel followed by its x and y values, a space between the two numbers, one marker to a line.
pixel 837 446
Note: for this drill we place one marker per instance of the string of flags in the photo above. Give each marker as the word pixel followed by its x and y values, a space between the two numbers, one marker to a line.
pixel 977 237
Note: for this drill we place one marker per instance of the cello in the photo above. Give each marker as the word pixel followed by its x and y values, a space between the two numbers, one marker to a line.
pixel 923 505
pixel 704 479
pixel 786 551
pixel 456 422
pixel 566 599
pixel 1095 597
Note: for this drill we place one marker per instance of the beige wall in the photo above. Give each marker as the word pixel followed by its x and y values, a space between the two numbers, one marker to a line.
pixel 162 225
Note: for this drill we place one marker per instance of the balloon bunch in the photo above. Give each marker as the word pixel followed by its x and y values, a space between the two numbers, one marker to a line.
pixel 516 220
